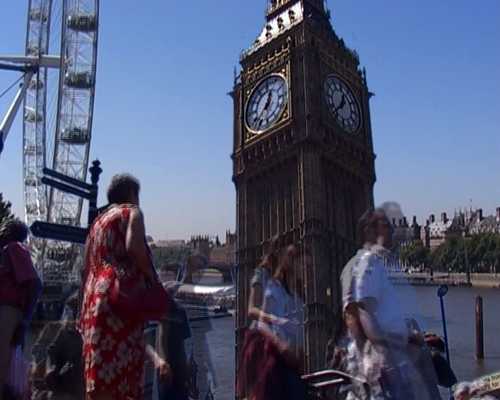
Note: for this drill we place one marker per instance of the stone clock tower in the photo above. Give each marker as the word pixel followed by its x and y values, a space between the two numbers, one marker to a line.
pixel 303 159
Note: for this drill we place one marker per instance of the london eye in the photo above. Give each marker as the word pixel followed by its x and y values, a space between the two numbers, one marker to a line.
pixel 56 95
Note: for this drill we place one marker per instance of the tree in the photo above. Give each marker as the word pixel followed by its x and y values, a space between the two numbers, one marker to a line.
pixel 5 211
pixel 415 254
pixel 481 251
pixel 449 255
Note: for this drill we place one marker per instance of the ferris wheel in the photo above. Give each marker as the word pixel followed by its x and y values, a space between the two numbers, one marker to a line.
pixel 57 98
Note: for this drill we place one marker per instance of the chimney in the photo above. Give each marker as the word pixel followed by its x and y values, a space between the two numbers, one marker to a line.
pixel 432 218
pixel 405 222
pixel 444 218
pixel 480 214
pixel 498 214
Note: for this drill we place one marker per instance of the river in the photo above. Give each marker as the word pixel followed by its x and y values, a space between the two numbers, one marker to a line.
pixel 459 306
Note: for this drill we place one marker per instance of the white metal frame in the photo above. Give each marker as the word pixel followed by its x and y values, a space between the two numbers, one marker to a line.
pixel 75 58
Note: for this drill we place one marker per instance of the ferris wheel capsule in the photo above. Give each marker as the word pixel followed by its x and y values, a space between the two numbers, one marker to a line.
pixel 82 22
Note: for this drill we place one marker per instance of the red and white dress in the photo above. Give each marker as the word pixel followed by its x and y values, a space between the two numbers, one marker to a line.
pixel 113 348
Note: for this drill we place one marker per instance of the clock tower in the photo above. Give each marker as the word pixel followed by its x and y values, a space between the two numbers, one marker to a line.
pixel 303 160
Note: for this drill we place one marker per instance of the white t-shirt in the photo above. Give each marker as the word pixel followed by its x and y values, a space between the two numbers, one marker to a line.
pixel 365 276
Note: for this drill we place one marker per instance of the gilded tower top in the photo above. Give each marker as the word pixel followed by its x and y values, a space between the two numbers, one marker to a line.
pixel 285 14
pixel 277 6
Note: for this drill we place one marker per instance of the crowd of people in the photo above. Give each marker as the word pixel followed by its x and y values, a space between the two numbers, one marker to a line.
pixel 99 350
pixel 379 350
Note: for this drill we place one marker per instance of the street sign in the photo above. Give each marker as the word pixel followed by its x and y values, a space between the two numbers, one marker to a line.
pixel 65 233
pixel 67 179
pixel 67 188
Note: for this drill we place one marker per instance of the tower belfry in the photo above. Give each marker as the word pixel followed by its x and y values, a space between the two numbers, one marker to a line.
pixel 303 160
pixel 276 6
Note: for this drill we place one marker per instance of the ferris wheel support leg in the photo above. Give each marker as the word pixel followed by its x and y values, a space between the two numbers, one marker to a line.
pixel 13 109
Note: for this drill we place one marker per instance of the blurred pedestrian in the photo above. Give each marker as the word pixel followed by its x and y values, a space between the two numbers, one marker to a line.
pixel 272 352
pixel 197 311
pixel 20 288
pixel 283 308
pixel 170 356
pixel 383 348
pixel 261 276
pixel 64 374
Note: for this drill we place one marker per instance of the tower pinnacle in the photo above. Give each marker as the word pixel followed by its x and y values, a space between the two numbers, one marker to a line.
pixel 277 6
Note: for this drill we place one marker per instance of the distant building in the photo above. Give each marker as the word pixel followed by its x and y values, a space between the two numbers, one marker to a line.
pixel 480 224
pixel 437 230
pixel 201 244
pixel 470 222
pixel 217 253
pixel 224 253
pixel 170 243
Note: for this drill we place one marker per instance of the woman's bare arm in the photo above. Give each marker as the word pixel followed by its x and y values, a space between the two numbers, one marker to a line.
pixel 256 307
pixel 163 333
pixel 255 302
pixel 135 243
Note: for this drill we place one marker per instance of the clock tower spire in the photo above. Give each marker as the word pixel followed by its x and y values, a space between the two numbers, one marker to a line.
pixel 275 7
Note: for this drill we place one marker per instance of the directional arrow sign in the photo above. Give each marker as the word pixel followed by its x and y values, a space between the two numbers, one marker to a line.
pixel 68 179
pixel 67 188
pixel 63 233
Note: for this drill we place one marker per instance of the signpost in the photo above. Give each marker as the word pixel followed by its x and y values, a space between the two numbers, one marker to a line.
pixel 68 233
pixel 63 233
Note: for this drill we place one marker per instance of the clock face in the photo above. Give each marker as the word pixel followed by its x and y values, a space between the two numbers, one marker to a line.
pixel 267 103
pixel 342 104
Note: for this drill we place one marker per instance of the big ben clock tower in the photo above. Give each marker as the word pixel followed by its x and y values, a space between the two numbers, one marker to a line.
pixel 303 159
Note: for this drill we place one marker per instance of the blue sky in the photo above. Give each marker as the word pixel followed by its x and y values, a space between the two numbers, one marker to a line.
pixel 162 110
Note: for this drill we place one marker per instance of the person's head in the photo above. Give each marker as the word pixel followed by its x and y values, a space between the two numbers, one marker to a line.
pixel 124 188
pixel 352 322
pixel 270 257
pixel 286 264
pixel 13 230
pixel 290 257
pixel 375 228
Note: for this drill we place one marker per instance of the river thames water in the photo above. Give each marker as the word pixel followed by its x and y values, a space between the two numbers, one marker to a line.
pixel 459 306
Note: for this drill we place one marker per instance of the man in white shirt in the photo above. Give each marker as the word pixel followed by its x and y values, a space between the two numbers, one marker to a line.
pixel 374 313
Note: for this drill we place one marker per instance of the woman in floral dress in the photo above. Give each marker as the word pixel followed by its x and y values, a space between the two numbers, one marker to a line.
pixel 113 347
